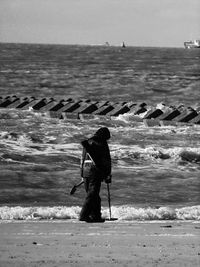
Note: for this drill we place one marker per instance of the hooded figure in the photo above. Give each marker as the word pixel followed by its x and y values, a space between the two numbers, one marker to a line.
pixel 95 168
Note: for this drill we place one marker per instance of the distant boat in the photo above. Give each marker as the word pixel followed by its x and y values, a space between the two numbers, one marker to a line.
pixel 192 44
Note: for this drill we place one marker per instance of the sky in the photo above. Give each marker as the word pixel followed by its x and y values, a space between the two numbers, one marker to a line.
pixel 161 23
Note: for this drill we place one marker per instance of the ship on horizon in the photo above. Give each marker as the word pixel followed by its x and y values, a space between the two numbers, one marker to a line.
pixel 192 44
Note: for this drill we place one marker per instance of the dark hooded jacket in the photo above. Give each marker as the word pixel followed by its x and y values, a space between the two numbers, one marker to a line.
pixel 98 150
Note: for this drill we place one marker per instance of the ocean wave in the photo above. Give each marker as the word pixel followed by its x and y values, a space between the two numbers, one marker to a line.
pixel 45 136
pixel 188 154
pixel 126 154
pixel 123 213
pixel 29 144
pixel 128 213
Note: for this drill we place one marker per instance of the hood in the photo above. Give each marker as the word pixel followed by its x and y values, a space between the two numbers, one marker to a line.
pixel 103 133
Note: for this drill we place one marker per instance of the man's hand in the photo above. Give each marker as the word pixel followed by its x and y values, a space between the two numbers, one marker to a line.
pixel 108 179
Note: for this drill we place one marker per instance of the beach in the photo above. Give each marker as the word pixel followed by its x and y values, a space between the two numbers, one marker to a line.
pixel 74 243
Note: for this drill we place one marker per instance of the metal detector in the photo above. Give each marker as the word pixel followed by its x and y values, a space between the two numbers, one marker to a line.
pixel 73 190
pixel 109 204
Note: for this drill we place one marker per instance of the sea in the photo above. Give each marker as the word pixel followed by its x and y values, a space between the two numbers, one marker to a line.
pixel 155 170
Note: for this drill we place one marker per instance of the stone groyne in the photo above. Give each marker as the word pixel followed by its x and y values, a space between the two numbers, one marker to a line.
pixel 87 109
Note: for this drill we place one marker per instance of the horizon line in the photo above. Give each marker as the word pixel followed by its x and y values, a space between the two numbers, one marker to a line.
pixel 85 44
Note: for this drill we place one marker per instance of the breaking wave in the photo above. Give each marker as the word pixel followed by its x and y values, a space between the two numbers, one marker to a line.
pixel 123 213
pixel 32 145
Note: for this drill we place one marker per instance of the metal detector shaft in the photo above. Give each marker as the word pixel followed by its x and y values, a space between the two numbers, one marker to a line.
pixel 80 184
pixel 109 204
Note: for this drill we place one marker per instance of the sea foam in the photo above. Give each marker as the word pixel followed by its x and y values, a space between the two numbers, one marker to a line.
pixel 123 213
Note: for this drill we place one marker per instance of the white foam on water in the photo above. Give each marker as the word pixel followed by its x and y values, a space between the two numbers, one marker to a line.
pixel 126 154
pixel 130 119
pixel 123 213
pixel 37 213
pixel 161 213
pixel 155 152
pixel 24 144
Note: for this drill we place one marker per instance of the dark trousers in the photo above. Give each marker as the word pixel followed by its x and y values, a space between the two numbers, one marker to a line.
pixel 92 204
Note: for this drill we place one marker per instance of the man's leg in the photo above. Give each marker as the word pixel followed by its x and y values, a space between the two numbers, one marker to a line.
pixel 96 203
pixel 91 209
pixel 86 208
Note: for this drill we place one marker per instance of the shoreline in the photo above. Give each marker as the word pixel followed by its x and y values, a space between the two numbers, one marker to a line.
pixel 113 243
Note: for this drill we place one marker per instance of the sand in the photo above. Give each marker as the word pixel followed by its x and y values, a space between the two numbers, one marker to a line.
pixel 73 243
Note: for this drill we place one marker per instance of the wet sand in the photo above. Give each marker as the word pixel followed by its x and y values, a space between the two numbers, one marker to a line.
pixel 73 243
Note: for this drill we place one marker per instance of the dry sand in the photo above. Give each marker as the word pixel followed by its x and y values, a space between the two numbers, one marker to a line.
pixel 73 243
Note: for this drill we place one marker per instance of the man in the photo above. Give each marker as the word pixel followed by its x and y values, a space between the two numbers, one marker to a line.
pixel 95 168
